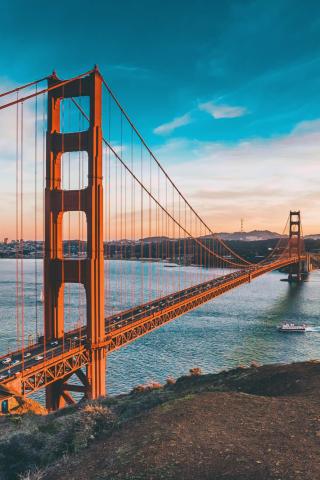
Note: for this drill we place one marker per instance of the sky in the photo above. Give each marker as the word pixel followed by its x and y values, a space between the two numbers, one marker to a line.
pixel 225 93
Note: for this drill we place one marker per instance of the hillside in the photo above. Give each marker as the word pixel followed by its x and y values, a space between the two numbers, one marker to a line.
pixel 252 236
pixel 258 423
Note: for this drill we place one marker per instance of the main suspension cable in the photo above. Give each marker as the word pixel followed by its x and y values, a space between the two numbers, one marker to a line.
pixel 44 90
pixel 166 174
pixel 22 87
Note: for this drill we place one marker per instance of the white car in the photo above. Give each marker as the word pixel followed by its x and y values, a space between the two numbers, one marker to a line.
pixel 54 343
pixel 27 355
pixel 38 357
pixel 15 362
pixel 7 360
pixel 2 377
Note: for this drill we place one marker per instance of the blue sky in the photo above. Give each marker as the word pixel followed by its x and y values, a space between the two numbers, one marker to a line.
pixel 231 87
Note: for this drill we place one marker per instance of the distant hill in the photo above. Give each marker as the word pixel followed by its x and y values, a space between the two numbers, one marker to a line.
pixel 252 236
pixel 313 236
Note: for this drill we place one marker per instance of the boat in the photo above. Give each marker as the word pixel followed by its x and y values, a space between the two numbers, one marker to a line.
pixel 41 298
pixel 291 328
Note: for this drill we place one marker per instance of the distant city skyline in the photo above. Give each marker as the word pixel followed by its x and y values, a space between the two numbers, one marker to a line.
pixel 226 95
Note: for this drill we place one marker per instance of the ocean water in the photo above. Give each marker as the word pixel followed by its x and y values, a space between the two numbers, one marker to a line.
pixel 236 328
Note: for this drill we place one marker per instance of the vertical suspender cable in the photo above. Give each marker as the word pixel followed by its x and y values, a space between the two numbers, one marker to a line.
pixel 43 204
pixel 17 227
pixel 80 226
pixel 141 226
pixel 22 234
pixel 36 211
pixel 150 235
pixel 132 227
pixel 121 212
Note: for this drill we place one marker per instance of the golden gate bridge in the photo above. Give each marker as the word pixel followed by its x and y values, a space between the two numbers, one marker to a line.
pixel 84 175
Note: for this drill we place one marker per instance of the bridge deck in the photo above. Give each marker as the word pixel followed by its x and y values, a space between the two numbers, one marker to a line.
pixel 41 365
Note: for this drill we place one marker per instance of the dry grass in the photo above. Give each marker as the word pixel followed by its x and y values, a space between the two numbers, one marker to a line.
pixel 96 409
pixel 33 475
pixel 39 441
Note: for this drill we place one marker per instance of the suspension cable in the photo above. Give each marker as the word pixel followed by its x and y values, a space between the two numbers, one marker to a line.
pixel 44 90
pixel 17 89
pixel 165 173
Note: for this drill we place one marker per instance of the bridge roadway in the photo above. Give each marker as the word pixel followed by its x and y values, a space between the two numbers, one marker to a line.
pixel 39 365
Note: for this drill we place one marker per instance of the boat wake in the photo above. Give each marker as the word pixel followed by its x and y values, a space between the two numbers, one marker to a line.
pixel 313 329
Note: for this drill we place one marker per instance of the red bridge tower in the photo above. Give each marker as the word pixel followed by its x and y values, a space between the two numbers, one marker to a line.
pixel 88 271
pixel 295 246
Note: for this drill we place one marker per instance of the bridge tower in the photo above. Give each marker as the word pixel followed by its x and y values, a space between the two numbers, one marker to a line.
pixel 295 246
pixel 90 270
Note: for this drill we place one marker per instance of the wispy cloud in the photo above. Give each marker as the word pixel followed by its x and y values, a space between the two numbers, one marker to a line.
pixel 169 127
pixel 222 111
pixel 132 70
pixel 308 126
pixel 259 179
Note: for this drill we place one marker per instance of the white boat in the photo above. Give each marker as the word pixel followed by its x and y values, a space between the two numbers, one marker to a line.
pixel 41 298
pixel 291 328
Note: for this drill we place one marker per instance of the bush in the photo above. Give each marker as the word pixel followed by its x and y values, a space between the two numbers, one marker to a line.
pixel 148 387
pixel 170 381
pixel 255 364
pixel 33 475
pixel 57 436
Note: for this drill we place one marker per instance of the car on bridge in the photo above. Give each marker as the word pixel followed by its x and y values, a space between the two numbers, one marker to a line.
pixel 7 360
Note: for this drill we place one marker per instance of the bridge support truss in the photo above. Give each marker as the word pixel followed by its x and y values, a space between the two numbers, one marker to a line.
pixel 90 270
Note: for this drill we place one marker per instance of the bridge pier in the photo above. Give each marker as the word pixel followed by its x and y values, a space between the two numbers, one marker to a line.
pixel 54 398
pixel 307 264
pixel 295 273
